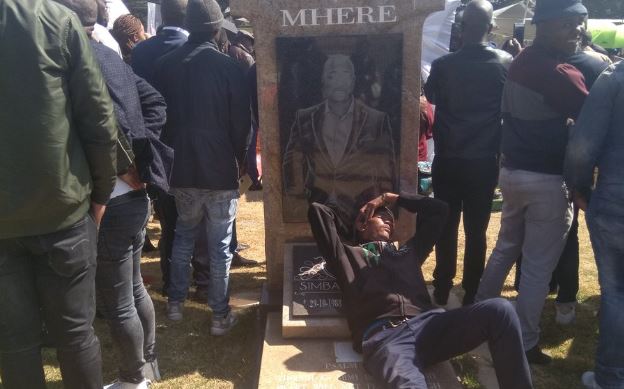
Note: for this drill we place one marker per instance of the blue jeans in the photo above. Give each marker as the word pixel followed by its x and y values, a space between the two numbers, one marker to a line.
pixel 397 356
pixel 605 220
pixel 49 278
pixel 218 209
pixel 121 295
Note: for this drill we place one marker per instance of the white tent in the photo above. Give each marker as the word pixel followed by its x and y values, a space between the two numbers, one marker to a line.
pixel 115 9
pixel 504 18
pixel 437 35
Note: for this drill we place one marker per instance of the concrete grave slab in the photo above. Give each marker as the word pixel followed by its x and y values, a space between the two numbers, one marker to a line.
pixel 324 364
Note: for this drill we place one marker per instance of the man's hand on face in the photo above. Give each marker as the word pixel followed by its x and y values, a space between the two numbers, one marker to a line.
pixel 368 210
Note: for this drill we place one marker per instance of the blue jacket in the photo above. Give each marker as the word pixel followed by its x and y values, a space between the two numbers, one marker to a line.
pixel 141 113
pixel 146 53
pixel 597 140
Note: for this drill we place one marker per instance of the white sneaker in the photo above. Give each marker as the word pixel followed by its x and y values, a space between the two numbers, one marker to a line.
pixel 589 380
pixel 145 384
pixel 223 325
pixel 566 313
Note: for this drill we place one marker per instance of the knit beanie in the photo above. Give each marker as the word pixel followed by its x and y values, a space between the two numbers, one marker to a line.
pixel 555 9
pixel 203 16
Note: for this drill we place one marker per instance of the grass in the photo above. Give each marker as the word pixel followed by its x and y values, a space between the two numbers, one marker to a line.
pixel 190 358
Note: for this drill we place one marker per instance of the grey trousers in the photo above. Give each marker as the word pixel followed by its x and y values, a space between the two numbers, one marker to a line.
pixel 535 222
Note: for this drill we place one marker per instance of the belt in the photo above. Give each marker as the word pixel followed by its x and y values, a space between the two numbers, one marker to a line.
pixel 383 324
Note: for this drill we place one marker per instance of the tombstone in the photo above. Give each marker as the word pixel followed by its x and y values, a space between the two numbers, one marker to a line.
pixel 373 49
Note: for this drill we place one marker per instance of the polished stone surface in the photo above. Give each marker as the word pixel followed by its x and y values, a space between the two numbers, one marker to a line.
pixel 326 21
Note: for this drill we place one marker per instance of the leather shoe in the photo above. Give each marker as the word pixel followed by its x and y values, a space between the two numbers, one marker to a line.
pixel 239 261
pixel 535 356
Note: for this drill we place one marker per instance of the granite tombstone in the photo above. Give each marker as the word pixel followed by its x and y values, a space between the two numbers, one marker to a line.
pixel 338 89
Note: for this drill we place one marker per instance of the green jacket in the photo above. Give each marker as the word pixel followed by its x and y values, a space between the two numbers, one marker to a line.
pixel 57 128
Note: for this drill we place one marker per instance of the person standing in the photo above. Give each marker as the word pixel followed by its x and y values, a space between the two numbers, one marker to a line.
pixel 145 55
pixel 208 125
pixel 597 140
pixel 57 170
pixel 466 87
pixel 541 95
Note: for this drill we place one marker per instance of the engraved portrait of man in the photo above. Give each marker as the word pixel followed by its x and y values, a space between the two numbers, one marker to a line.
pixel 339 151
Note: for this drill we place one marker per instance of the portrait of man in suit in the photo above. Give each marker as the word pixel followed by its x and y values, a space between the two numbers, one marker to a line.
pixel 339 151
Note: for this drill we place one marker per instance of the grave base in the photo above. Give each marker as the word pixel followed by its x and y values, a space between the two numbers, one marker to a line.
pixel 324 363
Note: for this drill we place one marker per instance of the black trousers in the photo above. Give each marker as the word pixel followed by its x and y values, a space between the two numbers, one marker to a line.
pixel 49 279
pixel 466 185
pixel 397 356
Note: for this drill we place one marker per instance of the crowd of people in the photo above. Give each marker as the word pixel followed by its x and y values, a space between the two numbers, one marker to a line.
pixel 99 127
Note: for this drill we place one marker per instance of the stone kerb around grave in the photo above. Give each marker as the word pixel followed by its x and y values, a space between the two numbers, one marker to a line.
pixel 294 38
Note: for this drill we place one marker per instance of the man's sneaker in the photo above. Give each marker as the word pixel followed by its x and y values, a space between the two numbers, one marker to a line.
pixel 589 380
pixel 145 384
pixel 566 313
pixel 150 371
pixel 223 325
pixel 174 310
pixel 535 356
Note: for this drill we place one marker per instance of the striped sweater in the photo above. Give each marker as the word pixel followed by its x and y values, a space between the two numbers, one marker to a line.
pixel 540 95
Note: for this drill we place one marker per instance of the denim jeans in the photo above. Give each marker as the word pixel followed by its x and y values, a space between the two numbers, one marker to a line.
pixel 605 220
pixel 165 209
pixel 397 356
pixel 535 222
pixel 49 278
pixel 121 295
pixel 218 208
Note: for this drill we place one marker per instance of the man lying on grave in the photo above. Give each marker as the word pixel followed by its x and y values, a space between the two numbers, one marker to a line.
pixel 388 308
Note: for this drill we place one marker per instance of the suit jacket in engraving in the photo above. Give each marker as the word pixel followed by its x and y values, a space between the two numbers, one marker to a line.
pixel 367 167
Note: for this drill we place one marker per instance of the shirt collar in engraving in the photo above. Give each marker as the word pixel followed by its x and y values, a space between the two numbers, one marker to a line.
pixel 178 29
pixel 349 111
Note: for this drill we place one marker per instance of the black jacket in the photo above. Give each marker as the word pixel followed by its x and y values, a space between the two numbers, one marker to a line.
pixel 146 53
pixel 466 88
pixel 376 279
pixel 141 113
pixel 208 115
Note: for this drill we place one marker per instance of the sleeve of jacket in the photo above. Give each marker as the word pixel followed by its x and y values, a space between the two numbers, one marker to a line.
pixel 153 107
pixel 431 86
pixel 431 217
pixel 92 112
pixel 587 137
pixel 293 162
pixel 240 114
pixel 323 223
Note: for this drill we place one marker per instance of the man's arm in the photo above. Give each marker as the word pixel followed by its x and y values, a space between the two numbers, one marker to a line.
pixel 565 91
pixel 153 107
pixel 431 86
pixel 588 136
pixel 431 218
pixel 92 113
pixel 240 115
pixel 323 223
